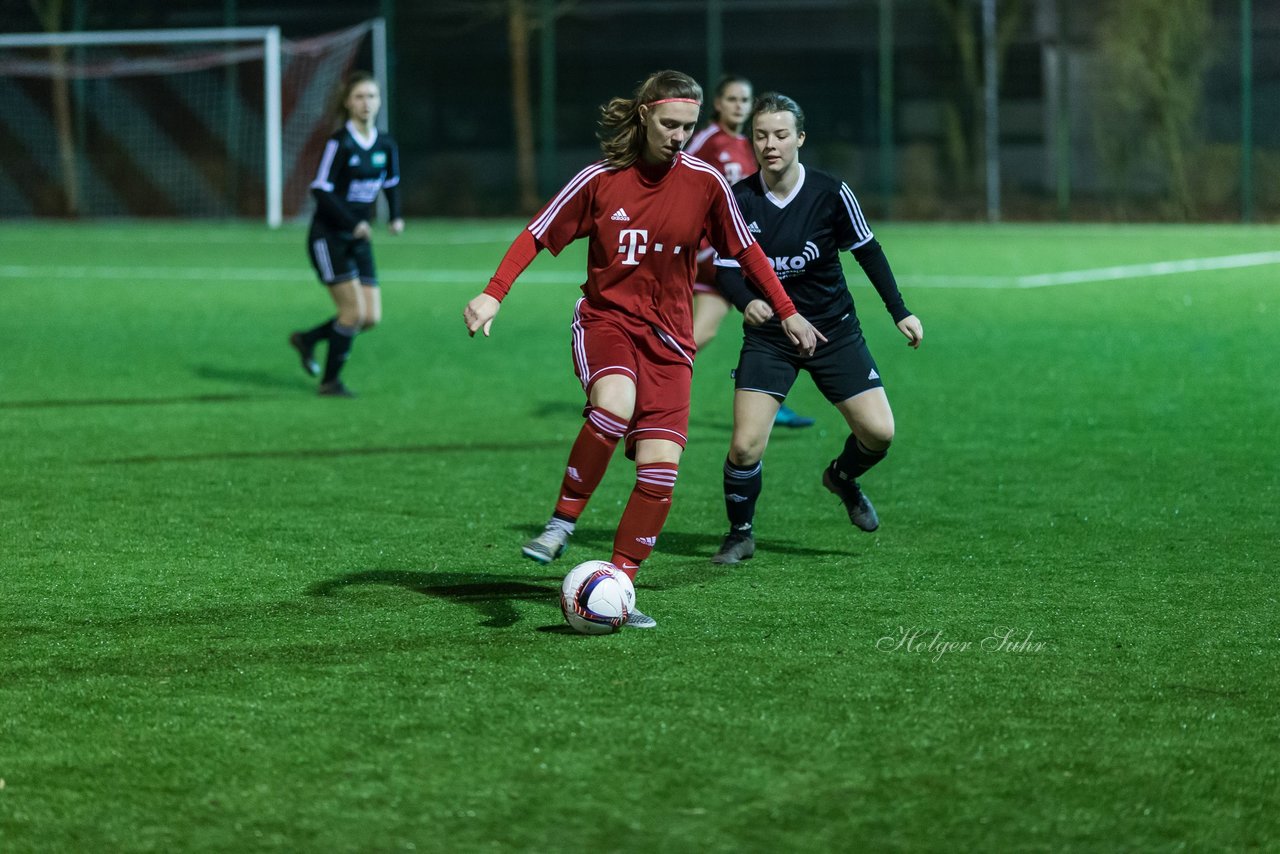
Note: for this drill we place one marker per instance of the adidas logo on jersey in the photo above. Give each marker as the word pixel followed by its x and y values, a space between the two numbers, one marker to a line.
pixel 753 228
pixel 873 375
pixel 620 216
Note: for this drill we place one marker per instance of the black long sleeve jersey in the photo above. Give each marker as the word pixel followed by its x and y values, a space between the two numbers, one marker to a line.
pixel 352 171
pixel 803 236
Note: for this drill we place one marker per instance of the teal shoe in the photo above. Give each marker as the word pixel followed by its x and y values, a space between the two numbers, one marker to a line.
pixel 787 417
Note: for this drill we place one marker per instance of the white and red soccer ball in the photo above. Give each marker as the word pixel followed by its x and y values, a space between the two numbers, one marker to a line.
pixel 596 598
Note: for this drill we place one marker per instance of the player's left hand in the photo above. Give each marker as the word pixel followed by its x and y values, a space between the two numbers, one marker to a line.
pixel 910 327
pixel 803 334
pixel 396 226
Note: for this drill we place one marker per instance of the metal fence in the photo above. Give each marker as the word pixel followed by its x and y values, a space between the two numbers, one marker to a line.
pixel 1107 109
pixel 931 109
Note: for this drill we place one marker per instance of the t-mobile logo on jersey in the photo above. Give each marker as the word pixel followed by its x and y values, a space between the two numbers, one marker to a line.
pixel 635 242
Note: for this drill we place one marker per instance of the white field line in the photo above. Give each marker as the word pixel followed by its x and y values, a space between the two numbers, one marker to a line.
pixel 494 234
pixel 1097 274
pixel 300 273
pixel 1159 268
pixel 438 276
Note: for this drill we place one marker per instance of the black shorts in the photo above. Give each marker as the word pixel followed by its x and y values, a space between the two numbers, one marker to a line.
pixel 841 368
pixel 341 258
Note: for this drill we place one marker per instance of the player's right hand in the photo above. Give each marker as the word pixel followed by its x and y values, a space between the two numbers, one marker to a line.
pixel 802 334
pixel 757 312
pixel 479 314
pixel 361 231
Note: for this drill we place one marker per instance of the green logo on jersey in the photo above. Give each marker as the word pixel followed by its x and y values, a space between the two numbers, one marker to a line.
pixel 379 158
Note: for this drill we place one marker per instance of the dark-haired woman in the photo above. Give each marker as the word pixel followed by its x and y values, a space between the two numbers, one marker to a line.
pixel 643 210
pixel 358 163
pixel 805 218
pixel 722 144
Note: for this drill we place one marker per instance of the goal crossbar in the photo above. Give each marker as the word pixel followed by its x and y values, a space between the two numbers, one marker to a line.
pixel 118 37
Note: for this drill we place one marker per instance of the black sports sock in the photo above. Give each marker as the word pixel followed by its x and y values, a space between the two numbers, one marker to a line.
pixel 340 339
pixel 312 337
pixel 857 458
pixel 741 491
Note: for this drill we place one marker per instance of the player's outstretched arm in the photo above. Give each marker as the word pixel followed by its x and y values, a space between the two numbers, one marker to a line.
pixel 479 314
pixel 910 326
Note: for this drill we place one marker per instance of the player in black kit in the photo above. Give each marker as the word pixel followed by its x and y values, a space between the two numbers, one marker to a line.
pixel 357 164
pixel 803 219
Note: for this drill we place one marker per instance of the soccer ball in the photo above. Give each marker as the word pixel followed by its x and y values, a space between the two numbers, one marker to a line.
pixel 596 598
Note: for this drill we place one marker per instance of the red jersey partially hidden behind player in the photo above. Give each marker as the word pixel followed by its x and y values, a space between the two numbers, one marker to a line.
pixel 644 224
pixel 728 152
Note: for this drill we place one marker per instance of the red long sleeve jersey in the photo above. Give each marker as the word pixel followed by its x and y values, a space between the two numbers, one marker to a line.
pixel 643 225
pixel 730 153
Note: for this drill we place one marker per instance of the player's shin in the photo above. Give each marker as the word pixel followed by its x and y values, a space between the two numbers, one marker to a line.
pixel 742 486
pixel 857 459
pixel 645 515
pixel 588 461
pixel 340 339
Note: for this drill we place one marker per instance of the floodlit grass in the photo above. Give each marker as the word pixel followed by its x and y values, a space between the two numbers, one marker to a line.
pixel 235 616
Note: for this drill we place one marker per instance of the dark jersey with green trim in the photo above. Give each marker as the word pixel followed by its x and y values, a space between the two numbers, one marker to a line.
pixel 803 236
pixel 352 171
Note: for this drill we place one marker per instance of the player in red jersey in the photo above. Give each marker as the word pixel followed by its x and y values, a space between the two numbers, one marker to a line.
pixel 722 144
pixel 643 210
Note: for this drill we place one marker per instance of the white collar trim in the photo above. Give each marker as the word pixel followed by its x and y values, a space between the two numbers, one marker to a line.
pixel 782 203
pixel 365 142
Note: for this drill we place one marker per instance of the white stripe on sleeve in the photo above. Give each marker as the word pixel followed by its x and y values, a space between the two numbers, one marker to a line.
pixel 859 222
pixel 739 224
pixel 322 181
pixel 540 225
pixel 700 139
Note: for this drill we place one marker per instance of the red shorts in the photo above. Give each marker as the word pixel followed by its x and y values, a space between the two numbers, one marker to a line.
pixel 704 279
pixel 607 342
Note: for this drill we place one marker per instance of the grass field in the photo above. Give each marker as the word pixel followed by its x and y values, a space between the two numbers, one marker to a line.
pixel 238 617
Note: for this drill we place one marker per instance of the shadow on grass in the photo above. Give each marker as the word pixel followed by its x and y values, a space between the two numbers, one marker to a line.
pixel 567 410
pixel 133 401
pixel 264 379
pixel 494 597
pixel 705 545
pixel 328 453
pixel 597 544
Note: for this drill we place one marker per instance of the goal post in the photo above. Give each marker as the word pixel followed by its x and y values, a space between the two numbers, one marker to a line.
pixel 174 122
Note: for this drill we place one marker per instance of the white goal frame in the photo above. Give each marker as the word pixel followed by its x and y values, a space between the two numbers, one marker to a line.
pixel 267 37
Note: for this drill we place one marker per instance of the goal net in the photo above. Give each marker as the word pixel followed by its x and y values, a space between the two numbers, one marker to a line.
pixel 170 123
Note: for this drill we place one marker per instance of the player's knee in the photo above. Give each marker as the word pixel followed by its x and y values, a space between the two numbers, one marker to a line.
pixel 746 451
pixel 618 398
pixel 878 435
pixel 370 321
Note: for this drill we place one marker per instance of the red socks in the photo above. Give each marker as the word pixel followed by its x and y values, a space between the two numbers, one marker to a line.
pixel 588 461
pixel 643 519
pixel 650 501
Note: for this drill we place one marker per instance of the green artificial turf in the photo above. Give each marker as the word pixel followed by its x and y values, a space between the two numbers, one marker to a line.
pixel 239 617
